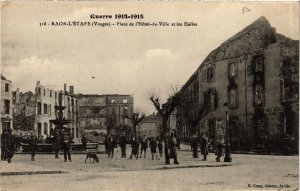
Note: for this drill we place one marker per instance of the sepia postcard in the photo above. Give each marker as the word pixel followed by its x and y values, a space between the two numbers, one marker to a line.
pixel 149 95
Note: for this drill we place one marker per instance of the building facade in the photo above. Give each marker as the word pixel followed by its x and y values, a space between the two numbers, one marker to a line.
pixel 6 104
pixel 105 113
pixel 150 126
pixel 256 73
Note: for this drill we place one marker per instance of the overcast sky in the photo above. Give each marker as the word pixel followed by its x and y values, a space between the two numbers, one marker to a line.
pixel 123 60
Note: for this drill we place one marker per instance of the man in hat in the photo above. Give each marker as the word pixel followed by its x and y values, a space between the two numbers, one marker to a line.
pixel 67 139
pixel 56 143
pixel 83 141
pixel 33 145
pixel 194 145
pixel 122 143
pixel 135 148
pixel 173 147
pixel 204 146
pixel 144 146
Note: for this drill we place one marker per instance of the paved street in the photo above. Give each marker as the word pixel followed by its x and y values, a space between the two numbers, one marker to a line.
pixel 145 174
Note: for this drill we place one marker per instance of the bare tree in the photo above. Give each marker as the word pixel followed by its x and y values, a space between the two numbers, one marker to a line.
pixel 193 121
pixel 135 119
pixel 165 111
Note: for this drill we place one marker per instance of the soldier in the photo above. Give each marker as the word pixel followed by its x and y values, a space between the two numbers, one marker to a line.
pixel 173 148
pixel 144 146
pixel 194 145
pixel 8 145
pixel 219 147
pixel 204 146
pixel 111 144
pixel 122 144
pixel 33 145
pixel 67 139
pixel 83 141
pixel 153 146
pixel 135 148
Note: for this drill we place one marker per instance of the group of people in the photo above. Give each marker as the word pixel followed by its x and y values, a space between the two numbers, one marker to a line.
pixel 204 146
pixel 139 146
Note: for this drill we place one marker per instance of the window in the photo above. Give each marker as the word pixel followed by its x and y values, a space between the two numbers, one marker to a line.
pixel 232 98
pixel 259 94
pixel 72 102
pixel 6 106
pixel 39 130
pixel 113 101
pixel 55 95
pixel 44 92
pixel 204 75
pixel 50 109
pixel 124 100
pixel 210 74
pixel 39 108
pixel 125 110
pixel 39 90
pixel 258 64
pixel 249 67
pixel 232 70
pixel 233 128
pixel 45 108
pixel 50 93
pixel 211 129
pixel 45 129
pixel 6 87
pixel 212 101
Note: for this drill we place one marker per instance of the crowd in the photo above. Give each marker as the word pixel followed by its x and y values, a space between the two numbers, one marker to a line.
pixel 139 145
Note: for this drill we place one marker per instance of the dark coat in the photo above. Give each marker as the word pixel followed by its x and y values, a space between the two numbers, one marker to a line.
pixel 135 147
pixel 204 146
pixel 153 146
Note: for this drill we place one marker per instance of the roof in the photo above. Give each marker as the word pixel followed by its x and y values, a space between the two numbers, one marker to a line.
pixel 2 77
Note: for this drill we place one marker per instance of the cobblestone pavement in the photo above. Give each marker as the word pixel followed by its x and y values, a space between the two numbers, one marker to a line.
pixel 247 172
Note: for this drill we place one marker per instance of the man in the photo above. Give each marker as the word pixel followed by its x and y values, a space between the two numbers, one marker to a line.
pixel 144 146
pixel 67 139
pixel 135 148
pixel 204 146
pixel 219 148
pixel 56 143
pixel 173 148
pixel 83 141
pixel 33 142
pixel 8 145
pixel 122 144
pixel 194 145
pixel 153 146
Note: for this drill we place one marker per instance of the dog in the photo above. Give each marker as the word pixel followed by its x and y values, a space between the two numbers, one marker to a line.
pixel 93 156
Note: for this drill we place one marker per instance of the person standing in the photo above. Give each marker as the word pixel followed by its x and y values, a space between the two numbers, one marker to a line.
pixel 173 148
pixel 219 147
pixel 160 148
pixel 144 146
pixel 122 144
pixel 153 146
pixel 83 141
pixel 8 145
pixel 135 148
pixel 194 145
pixel 67 139
pixel 204 146
pixel 33 145
pixel 56 143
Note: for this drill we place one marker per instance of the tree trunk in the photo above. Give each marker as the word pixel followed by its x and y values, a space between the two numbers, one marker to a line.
pixel 134 130
pixel 165 138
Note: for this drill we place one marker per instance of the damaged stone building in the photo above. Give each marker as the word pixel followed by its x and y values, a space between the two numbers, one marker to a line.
pixel 107 114
pixel 256 73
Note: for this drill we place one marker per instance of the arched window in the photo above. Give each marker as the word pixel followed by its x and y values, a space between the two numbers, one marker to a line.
pixel 232 98
pixel 232 70
pixel 39 129
pixel 45 128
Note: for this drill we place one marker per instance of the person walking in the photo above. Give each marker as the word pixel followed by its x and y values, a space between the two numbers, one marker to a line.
pixel 56 143
pixel 135 148
pixel 204 146
pixel 194 145
pixel 153 146
pixel 219 147
pixel 144 146
pixel 67 139
pixel 33 145
pixel 7 145
pixel 122 143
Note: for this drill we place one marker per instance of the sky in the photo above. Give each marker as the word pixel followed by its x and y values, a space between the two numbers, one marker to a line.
pixel 123 60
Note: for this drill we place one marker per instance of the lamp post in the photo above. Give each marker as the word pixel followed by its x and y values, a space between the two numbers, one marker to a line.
pixel 227 157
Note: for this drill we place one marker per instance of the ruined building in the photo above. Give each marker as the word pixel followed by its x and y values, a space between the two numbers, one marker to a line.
pixel 256 73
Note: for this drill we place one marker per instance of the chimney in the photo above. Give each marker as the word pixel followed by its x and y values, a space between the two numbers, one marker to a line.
pixel 65 87
pixel 71 88
pixel 38 83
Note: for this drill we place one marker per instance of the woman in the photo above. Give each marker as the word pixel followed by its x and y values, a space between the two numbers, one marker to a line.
pixel 219 148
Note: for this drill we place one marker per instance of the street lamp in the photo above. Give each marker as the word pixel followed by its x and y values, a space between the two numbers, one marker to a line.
pixel 227 157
